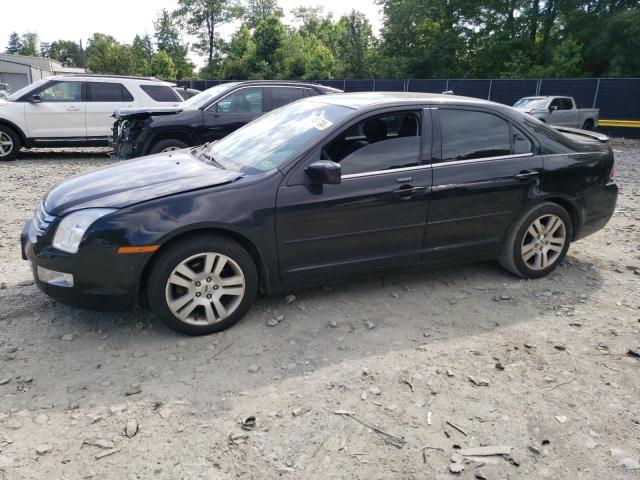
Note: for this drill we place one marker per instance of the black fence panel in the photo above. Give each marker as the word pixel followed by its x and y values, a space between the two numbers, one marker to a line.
pixel 389 85
pixel 359 86
pixel 431 86
pixel 583 90
pixel 332 83
pixel 509 91
pixel 470 88
pixel 619 98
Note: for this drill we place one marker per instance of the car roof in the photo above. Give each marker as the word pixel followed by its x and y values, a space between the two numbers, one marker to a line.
pixel 114 78
pixel 370 99
pixel 293 83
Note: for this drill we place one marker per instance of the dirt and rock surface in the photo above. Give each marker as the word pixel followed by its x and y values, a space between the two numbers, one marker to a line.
pixel 386 376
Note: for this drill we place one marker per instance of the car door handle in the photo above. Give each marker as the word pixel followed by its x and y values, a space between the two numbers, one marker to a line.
pixel 407 191
pixel 73 109
pixel 526 175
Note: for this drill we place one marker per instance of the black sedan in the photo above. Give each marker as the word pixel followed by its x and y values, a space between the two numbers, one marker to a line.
pixel 208 116
pixel 321 188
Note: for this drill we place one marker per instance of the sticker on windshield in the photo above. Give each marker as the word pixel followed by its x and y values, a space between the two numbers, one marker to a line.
pixel 319 122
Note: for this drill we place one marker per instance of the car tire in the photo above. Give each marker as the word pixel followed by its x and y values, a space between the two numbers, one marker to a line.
pixel 588 124
pixel 167 145
pixel 538 241
pixel 10 144
pixel 187 283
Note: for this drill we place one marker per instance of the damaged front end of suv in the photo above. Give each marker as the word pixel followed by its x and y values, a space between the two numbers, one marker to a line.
pixel 132 128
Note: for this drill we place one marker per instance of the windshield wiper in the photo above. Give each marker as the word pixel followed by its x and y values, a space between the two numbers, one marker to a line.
pixel 210 159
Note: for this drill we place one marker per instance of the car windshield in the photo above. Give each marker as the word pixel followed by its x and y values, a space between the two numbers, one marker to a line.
pixel 530 103
pixel 267 142
pixel 19 93
pixel 204 97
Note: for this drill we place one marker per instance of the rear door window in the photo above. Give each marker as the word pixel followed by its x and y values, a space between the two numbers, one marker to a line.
pixel 282 95
pixel 468 134
pixel 107 92
pixel 566 104
pixel 161 93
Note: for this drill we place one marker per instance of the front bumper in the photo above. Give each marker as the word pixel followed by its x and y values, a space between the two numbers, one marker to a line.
pixel 125 141
pixel 102 279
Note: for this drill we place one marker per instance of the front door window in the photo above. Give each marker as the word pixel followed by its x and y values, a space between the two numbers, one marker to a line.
pixel 62 92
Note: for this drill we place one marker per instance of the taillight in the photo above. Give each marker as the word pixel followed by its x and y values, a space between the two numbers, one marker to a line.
pixel 612 174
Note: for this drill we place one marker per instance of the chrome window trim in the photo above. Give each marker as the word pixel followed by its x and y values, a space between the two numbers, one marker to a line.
pixel 483 159
pixel 568 153
pixel 435 165
pixel 382 172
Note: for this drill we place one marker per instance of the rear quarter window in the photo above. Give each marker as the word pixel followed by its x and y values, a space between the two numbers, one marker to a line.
pixel 161 93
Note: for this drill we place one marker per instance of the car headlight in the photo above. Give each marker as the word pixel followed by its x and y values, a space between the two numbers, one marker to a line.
pixel 72 228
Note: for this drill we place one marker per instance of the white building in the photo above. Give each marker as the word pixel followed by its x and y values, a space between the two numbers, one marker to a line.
pixel 20 70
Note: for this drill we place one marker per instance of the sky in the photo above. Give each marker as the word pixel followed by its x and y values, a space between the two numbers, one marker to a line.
pixel 78 19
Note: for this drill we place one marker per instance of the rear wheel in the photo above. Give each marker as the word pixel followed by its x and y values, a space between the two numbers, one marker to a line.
pixel 538 242
pixel 202 284
pixel 10 143
pixel 588 124
pixel 168 145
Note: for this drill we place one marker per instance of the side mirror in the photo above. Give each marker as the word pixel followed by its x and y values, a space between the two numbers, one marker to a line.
pixel 35 99
pixel 553 108
pixel 324 171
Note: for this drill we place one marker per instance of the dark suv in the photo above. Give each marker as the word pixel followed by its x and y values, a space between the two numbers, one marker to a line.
pixel 208 116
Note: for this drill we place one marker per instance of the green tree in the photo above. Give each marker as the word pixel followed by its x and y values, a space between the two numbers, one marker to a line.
pixel 354 42
pixel 45 49
pixel 428 38
pixel 66 52
pixel 15 44
pixel 162 66
pixel 203 18
pixel 313 21
pixel 168 38
pixel 29 44
pixel 239 51
pixel 106 55
pixel 142 52
pixel 257 10
pixel 320 62
pixel 269 38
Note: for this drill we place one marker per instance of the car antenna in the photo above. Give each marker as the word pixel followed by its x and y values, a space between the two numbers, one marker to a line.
pixel 451 92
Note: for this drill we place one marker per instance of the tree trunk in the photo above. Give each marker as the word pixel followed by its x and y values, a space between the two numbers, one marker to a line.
pixel 550 14
pixel 533 30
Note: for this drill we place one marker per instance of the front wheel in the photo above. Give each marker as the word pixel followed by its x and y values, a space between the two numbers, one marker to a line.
pixel 9 143
pixel 202 284
pixel 538 241
pixel 167 145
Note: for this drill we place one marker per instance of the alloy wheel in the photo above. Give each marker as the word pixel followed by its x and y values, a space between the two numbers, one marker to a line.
pixel 543 242
pixel 205 288
pixel 169 149
pixel 6 144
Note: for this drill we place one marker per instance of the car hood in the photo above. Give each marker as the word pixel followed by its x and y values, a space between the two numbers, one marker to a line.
pixel 131 113
pixel 136 181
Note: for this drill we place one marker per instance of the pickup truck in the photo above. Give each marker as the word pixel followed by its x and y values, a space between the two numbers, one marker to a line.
pixel 559 111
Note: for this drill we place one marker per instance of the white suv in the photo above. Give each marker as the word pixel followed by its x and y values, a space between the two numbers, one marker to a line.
pixel 74 110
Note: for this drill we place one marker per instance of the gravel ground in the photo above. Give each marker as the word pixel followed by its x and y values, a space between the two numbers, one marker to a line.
pixel 384 376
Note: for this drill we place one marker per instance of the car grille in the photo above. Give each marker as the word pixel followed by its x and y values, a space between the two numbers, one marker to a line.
pixel 41 220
